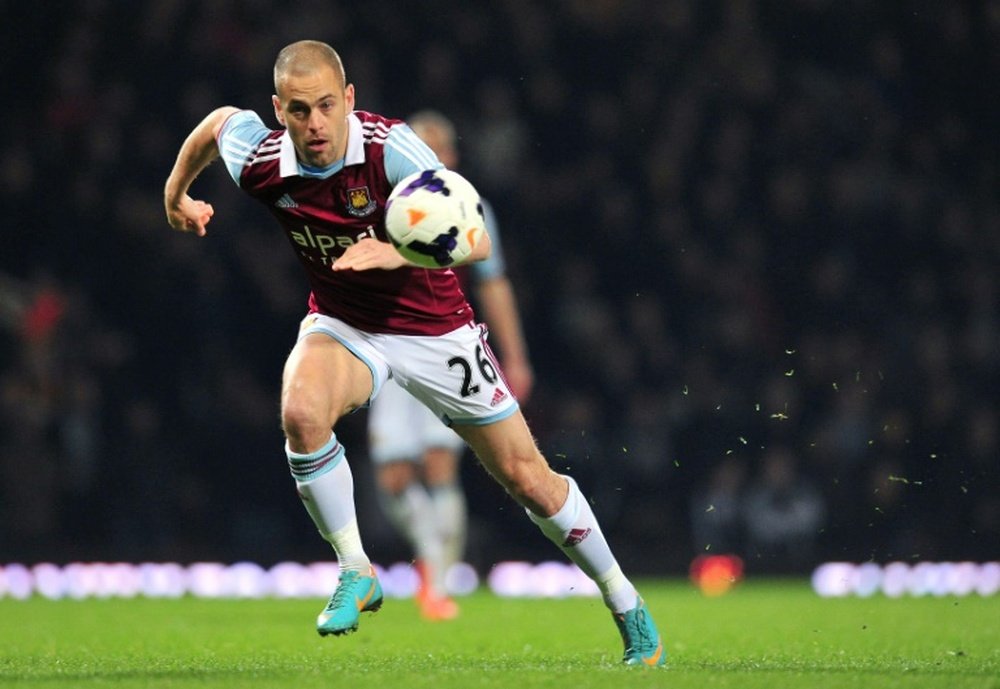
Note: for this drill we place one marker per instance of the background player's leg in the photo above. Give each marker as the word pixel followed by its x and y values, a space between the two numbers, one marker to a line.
pixel 408 507
pixel 400 429
pixel 450 513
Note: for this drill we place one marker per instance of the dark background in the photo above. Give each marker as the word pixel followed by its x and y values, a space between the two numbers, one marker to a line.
pixel 755 243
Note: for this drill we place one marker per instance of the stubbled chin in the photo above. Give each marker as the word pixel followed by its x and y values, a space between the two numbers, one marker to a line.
pixel 314 158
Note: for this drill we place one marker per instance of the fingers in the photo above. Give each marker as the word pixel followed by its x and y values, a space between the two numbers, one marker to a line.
pixel 349 262
pixel 206 214
pixel 368 254
pixel 197 226
pixel 193 218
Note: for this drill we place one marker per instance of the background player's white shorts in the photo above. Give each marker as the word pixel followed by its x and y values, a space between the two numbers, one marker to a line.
pixel 401 429
pixel 455 375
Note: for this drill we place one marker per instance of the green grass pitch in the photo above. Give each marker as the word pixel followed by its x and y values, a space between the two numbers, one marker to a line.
pixel 761 634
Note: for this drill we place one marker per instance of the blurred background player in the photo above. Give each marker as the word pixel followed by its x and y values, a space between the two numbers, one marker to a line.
pixel 416 456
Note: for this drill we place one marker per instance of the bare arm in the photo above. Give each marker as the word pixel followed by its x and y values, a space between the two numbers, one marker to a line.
pixel 197 152
pixel 500 311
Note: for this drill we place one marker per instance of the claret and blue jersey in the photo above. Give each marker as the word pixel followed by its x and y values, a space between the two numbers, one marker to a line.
pixel 323 211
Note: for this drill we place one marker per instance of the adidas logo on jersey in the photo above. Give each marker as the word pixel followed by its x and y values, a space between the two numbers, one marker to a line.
pixel 498 397
pixel 286 201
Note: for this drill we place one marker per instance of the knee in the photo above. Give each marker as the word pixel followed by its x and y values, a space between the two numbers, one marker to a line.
pixel 440 467
pixel 394 477
pixel 305 424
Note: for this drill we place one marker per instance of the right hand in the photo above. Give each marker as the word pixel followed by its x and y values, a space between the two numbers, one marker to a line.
pixel 189 215
pixel 369 253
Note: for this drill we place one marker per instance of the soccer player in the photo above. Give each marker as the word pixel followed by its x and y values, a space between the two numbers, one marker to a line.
pixel 325 176
pixel 415 454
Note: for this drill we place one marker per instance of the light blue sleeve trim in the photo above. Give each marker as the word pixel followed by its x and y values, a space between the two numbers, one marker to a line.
pixel 238 140
pixel 495 266
pixel 406 153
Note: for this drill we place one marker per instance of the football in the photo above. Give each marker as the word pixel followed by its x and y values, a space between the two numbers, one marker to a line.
pixel 434 218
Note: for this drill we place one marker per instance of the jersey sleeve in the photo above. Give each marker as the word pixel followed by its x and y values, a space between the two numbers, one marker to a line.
pixel 494 266
pixel 239 138
pixel 406 153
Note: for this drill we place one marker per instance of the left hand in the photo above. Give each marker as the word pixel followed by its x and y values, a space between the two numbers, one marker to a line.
pixel 370 253
pixel 189 215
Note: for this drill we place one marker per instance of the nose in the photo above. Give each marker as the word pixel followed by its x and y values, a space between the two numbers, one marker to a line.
pixel 315 121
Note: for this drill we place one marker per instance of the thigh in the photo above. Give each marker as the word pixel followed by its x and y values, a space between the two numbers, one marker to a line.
pixel 323 375
pixel 331 370
pixel 395 477
pixel 357 342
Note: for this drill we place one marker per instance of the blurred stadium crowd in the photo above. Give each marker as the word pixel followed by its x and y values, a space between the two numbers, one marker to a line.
pixel 756 246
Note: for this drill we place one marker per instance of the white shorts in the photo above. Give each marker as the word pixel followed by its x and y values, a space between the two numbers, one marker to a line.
pixel 401 429
pixel 455 375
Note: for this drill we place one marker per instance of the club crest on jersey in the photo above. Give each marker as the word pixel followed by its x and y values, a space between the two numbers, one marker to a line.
pixel 360 202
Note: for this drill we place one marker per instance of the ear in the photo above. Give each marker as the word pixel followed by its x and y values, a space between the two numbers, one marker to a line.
pixel 277 110
pixel 349 97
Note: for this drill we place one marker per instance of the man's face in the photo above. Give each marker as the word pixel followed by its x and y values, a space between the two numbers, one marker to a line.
pixel 314 108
